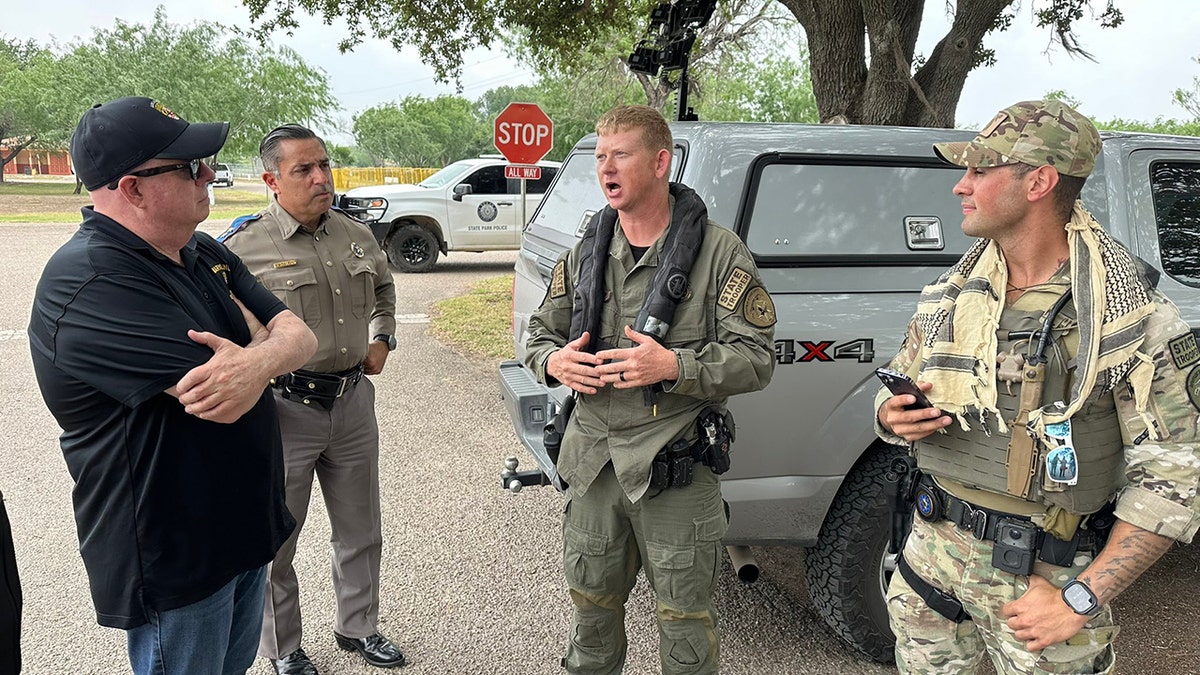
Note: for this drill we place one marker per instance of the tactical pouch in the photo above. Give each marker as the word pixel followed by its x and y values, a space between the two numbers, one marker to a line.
pixel 672 466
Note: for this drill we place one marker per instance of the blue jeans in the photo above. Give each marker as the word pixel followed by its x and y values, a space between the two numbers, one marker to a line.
pixel 215 636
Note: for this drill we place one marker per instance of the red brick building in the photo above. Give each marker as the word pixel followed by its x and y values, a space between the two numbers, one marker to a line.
pixel 37 162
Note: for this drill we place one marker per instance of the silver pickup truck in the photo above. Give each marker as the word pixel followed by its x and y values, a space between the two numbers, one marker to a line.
pixel 847 223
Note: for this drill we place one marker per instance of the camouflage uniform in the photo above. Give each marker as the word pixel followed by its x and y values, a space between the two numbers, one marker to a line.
pixel 1159 493
pixel 722 336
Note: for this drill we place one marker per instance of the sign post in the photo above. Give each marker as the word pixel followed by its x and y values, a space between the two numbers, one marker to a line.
pixel 524 135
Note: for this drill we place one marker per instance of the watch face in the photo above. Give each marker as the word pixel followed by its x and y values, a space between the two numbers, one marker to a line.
pixel 1079 598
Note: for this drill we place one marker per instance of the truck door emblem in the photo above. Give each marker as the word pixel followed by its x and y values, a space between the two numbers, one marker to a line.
pixel 486 212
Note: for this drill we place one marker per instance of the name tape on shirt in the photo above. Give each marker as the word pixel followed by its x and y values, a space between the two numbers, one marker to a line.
pixel 284 263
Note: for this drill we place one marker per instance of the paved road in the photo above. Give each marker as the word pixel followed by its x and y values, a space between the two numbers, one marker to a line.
pixel 471 574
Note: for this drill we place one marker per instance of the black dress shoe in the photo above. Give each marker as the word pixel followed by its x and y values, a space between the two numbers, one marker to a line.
pixel 376 649
pixel 296 663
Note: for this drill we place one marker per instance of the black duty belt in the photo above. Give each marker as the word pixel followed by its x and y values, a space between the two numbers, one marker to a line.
pixel 1007 529
pixel 313 388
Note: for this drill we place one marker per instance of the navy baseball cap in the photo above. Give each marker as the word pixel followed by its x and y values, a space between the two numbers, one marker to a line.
pixel 114 137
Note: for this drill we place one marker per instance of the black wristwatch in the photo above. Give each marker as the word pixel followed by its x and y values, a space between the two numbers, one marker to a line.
pixel 389 340
pixel 1080 598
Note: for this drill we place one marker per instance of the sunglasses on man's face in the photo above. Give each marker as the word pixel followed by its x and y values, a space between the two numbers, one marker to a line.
pixel 193 168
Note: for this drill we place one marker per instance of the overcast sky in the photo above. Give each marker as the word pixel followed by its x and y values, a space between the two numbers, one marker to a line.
pixel 1138 65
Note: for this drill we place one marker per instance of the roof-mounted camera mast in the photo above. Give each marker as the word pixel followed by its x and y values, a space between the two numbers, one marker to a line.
pixel 668 43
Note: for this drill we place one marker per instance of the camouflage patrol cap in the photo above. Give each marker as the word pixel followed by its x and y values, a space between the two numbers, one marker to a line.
pixel 1037 133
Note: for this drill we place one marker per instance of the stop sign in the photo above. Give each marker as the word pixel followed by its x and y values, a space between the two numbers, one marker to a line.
pixel 524 134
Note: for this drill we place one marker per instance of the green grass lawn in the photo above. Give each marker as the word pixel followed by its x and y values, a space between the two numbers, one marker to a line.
pixel 480 322
pixel 54 202
pixel 26 188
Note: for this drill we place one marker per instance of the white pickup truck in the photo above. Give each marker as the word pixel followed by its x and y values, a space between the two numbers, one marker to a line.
pixel 467 206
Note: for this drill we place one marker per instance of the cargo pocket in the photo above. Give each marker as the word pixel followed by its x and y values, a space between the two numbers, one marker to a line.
pixel 584 560
pixel 709 533
pixel 297 288
pixel 589 632
pixel 1088 652
pixel 687 647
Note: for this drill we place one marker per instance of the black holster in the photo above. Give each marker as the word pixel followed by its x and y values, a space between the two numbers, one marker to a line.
pixel 899 487
pixel 716 436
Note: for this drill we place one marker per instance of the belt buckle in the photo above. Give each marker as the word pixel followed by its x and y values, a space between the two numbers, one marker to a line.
pixel 977 520
pixel 341 388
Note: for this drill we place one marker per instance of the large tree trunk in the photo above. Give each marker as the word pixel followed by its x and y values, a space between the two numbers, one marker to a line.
pixel 943 75
pixel 837 54
pixel 882 89
pixel 892 28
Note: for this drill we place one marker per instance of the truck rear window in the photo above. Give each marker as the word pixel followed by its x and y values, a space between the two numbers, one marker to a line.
pixel 819 208
pixel 1176 189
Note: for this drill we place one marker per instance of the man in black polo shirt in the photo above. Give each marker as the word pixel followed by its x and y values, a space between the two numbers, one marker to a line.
pixel 158 379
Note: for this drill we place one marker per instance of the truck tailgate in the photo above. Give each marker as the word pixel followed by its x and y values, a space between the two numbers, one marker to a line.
pixel 530 405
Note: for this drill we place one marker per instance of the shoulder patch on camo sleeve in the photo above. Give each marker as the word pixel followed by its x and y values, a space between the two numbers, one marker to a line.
pixel 735 287
pixel 1184 351
pixel 1193 387
pixel 558 281
pixel 759 309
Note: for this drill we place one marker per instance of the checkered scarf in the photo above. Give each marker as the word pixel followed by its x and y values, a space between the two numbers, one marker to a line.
pixel 958 315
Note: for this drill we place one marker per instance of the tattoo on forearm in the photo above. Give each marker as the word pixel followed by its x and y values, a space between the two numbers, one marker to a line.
pixel 1123 560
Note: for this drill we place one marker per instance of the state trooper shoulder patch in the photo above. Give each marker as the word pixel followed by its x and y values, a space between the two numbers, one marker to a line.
pixel 558 282
pixel 1184 351
pixel 735 287
pixel 759 309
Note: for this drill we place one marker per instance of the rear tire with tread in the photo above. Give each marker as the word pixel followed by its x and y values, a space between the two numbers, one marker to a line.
pixel 848 569
pixel 413 248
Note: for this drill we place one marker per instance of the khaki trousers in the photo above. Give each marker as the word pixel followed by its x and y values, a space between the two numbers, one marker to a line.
pixel 341 448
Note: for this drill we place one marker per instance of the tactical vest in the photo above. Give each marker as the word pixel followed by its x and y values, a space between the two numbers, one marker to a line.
pixel 979 460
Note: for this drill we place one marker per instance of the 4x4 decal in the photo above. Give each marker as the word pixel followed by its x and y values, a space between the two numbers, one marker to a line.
pixel 861 350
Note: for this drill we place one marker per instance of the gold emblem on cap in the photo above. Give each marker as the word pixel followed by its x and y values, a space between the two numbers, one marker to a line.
pixel 163 109
pixel 357 250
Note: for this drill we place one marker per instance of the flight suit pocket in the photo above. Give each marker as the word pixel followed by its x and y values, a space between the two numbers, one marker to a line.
pixel 362 287
pixel 297 288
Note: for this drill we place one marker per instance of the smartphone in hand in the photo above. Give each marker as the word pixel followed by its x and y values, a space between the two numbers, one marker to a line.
pixel 899 383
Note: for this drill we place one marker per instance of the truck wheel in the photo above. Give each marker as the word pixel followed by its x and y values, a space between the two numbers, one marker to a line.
pixel 849 568
pixel 412 248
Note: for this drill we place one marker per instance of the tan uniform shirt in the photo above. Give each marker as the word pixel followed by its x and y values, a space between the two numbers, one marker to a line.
pixel 336 279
